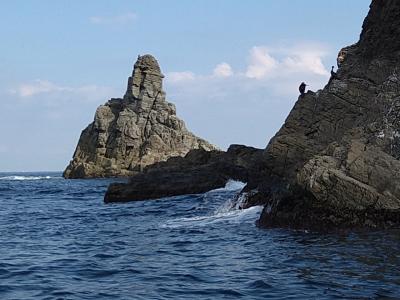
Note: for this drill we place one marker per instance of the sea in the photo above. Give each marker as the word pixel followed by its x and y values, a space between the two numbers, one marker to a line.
pixel 58 240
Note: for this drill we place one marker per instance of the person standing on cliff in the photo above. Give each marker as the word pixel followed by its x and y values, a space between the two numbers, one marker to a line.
pixel 302 88
pixel 333 73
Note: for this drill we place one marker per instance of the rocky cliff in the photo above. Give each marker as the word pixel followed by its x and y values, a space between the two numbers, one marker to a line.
pixel 335 162
pixel 130 133
pixel 337 154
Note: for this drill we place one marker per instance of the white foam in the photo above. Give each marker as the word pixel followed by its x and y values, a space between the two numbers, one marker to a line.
pixel 235 203
pixel 230 211
pixel 232 216
pixel 231 185
pixel 16 177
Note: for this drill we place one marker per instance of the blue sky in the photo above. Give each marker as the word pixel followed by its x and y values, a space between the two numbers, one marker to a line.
pixel 232 67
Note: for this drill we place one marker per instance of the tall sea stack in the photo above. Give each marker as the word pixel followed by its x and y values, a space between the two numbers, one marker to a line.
pixel 130 133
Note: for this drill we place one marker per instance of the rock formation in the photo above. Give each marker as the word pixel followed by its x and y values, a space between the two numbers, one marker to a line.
pixel 198 172
pixel 337 154
pixel 130 133
pixel 335 162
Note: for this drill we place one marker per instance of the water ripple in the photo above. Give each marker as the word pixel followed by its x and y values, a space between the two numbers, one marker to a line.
pixel 59 241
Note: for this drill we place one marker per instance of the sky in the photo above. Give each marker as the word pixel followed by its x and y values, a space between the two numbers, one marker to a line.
pixel 231 67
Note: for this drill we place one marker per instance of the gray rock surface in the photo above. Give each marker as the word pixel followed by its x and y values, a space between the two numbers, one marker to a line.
pixel 198 172
pixel 337 154
pixel 130 133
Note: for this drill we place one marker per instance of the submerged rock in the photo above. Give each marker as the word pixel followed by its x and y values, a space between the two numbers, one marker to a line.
pixel 130 133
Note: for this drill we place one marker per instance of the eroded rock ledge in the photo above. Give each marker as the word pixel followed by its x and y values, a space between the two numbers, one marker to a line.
pixel 130 133
pixel 198 172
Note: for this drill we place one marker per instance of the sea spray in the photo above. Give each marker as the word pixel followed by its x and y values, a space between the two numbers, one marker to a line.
pixel 229 211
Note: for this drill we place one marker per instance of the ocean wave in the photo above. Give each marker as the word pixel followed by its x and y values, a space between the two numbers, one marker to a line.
pixel 19 177
pixel 230 211
pixel 232 216
pixel 231 185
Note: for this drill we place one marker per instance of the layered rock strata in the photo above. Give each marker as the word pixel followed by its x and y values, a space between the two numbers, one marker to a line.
pixel 130 133
pixel 337 155
pixel 198 172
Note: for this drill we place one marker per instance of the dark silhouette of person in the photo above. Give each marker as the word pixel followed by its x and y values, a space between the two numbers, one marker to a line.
pixel 333 73
pixel 302 88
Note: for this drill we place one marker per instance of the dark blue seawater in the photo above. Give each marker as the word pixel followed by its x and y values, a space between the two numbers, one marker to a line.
pixel 59 241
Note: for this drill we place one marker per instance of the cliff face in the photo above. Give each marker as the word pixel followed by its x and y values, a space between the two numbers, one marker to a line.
pixel 337 154
pixel 130 133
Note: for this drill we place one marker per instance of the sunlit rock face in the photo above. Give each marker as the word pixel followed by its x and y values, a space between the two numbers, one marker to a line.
pixel 130 133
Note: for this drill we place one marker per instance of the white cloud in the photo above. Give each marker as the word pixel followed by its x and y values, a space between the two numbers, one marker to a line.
pixel 41 87
pixel 250 104
pixel 37 87
pixel 223 70
pixel 177 77
pixel 280 68
pixel 261 63
pixel 117 19
pixel 268 62
pixel 306 58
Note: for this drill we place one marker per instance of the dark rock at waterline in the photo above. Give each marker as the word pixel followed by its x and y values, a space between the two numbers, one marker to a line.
pixel 130 133
pixel 198 172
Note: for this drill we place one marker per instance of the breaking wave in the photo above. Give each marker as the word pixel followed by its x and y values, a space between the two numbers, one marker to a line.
pixel 231 185
pixel 234 216
pixel 229 211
